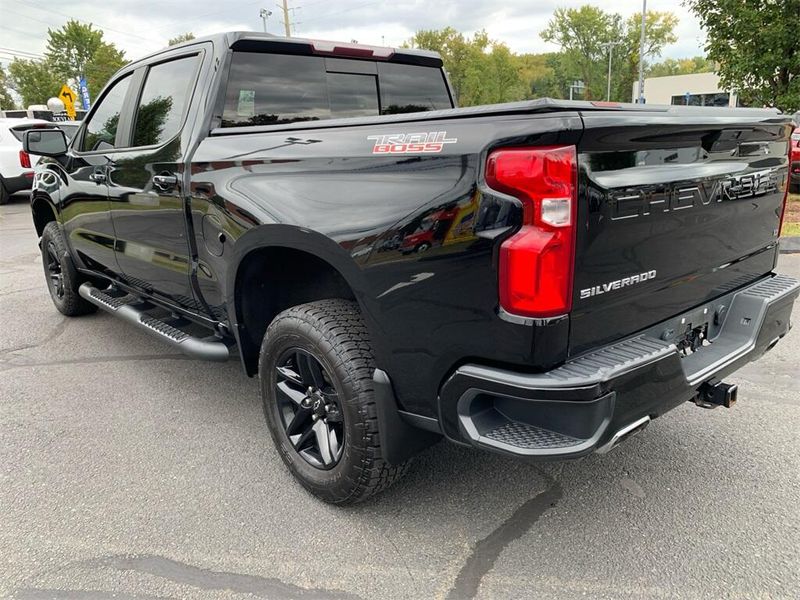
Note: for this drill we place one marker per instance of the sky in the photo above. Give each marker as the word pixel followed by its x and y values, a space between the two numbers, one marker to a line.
pixel 143 26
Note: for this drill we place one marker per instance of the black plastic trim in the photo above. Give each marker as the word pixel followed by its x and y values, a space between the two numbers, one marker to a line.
pixel 399 439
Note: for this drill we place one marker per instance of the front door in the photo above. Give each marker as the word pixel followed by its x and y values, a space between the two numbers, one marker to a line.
pixel 83 192
pixel 145 179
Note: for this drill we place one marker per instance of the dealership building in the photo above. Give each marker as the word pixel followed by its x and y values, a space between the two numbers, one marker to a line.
pixel 697 89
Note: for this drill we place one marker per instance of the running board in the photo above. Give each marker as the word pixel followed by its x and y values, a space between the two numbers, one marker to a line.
pixel 202 348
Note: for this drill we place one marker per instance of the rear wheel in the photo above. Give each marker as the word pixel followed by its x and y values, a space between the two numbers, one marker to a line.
pixel 61 275
pixel 316 369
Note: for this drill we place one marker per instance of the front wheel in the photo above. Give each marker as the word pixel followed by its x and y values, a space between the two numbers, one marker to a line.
pixel 315 370
pixel 61 275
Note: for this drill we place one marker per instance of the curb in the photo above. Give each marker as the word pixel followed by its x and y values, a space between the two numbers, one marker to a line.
pixel 790 245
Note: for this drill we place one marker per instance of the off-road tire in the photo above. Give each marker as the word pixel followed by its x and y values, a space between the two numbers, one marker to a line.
pixel 333 332
pixel 69 301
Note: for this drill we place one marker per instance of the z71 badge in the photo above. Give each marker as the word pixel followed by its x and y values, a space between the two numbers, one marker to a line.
pixel 411 143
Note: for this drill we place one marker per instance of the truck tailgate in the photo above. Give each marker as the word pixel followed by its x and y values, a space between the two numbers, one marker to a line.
pixel 674 210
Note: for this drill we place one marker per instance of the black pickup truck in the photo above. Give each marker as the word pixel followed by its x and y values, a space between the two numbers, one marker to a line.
pixel 539 279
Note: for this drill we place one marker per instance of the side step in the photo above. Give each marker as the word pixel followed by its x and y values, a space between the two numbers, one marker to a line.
pixel 202 348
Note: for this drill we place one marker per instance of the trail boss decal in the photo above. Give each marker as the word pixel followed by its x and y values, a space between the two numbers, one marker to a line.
pixel 410 143
pixel 617 284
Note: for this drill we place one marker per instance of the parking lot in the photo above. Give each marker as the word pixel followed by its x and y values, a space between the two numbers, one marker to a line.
pixel 128 469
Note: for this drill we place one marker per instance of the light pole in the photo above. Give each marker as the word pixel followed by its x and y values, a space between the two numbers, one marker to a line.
pixel 610 47
pixel 576 85
pixel 264 13
pixel 641 54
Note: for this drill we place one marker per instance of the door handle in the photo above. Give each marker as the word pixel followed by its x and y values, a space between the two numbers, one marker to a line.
pixel 165 183
pixel 97 177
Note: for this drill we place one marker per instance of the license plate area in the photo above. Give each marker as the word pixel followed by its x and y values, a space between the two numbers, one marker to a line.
pixel 694 338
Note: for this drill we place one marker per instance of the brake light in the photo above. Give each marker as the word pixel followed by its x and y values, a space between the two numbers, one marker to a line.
pixel 536 263
pixel 24 159
pixel 352 50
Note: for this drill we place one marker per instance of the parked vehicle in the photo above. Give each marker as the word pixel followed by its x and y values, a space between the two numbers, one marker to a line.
pixel 795 160
pixel 16 165
pixel 594 264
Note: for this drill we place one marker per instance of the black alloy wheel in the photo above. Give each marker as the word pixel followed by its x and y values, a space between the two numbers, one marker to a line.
pixel 55 275
pixel 309 408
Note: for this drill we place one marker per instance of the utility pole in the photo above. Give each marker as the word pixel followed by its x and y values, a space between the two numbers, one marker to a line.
pixel 264 13
pixel 610 47
pixel 641 54
pixel 287 26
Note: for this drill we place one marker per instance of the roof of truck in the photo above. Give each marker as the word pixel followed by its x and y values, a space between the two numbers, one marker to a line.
pixel 255 40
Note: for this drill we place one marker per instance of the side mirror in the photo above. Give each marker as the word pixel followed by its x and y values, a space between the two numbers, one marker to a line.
pixel 45 142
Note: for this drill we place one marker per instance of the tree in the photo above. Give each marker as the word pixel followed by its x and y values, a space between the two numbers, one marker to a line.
pixel 755 44
pixel 184 37
pixel 78 49
pixel 6 101
pixel 106 61
pixel 34 80
pixel 481 70
pixel 71 48
pixel 681 66
pixel 582 34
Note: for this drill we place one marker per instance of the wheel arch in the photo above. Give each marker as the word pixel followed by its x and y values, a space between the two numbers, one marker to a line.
pixel 279 266
pixel 43 212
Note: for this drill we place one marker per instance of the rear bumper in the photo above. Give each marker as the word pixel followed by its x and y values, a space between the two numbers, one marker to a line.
pixel 584 405
pixel 18 182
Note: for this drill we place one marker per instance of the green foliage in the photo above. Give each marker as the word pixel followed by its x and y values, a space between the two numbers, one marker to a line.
pixel 481 70
pixel 582 34
pixel 681 66
pixel 755 43
pixel 71 48
pixel 106 61
pixel 6 101
pixel 34 80
pixel 184 37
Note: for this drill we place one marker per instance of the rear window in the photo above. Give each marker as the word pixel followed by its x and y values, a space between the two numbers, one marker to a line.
pixel 269 89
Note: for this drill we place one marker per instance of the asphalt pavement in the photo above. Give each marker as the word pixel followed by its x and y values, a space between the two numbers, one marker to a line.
pixel 129 471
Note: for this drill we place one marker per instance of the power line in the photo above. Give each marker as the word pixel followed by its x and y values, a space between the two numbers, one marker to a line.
pixel 20 52
pixel 95 24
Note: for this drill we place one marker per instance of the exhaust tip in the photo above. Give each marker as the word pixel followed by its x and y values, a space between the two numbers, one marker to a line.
pixel 623 434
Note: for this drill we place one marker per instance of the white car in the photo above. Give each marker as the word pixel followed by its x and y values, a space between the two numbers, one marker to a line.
pixel 16 165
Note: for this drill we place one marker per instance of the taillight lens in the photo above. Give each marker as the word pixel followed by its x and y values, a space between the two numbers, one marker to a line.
pixel 24 159
pixel 536 264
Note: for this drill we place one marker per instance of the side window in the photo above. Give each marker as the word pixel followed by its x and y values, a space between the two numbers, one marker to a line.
pixel 101 129
pixel 269 89
pixel 411 88
pixel 164 100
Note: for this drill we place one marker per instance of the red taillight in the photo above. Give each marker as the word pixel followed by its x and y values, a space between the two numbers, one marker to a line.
pixel 536 264
pixel 24 159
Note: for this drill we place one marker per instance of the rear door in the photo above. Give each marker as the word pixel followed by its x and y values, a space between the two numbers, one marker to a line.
pixel 677 209
pixel 145 181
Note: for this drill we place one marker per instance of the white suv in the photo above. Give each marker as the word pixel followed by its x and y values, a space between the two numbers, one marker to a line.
pixel 16 166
